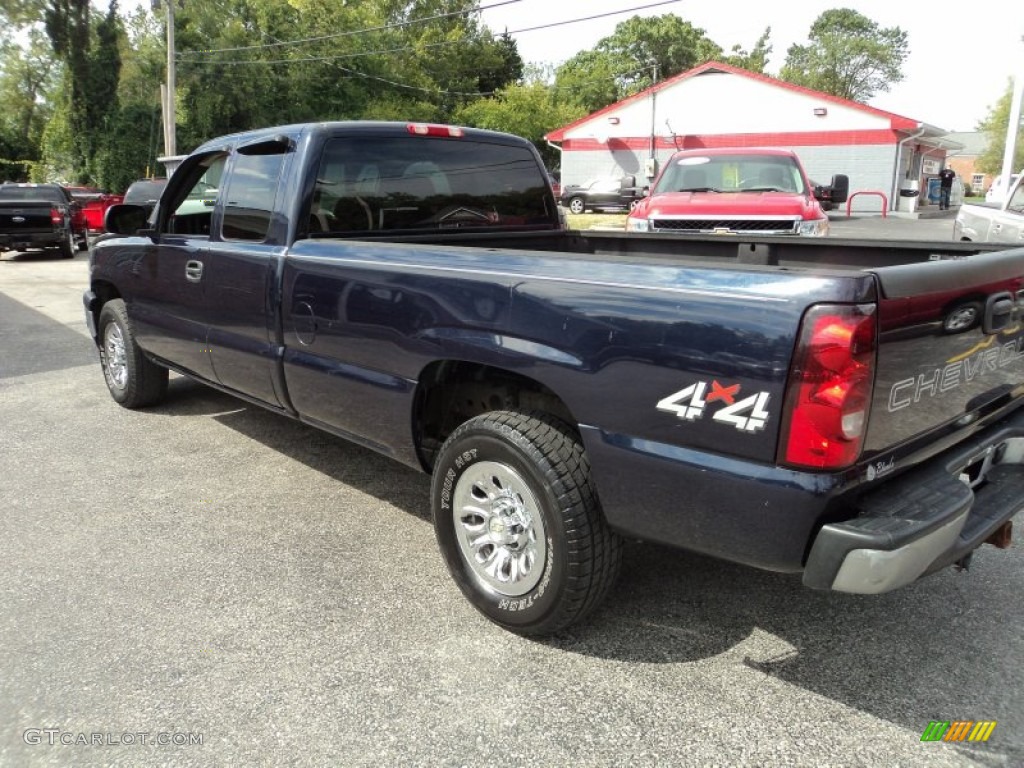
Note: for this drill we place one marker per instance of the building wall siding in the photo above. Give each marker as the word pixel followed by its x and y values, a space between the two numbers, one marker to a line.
pixel 716 108
pixel 870 167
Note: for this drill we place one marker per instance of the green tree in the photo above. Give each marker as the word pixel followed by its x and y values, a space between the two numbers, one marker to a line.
pixel 627 61
pixel 590 79
pixel 530 110
pixel 848 55
pixel 994 126
pixel 757 58
pixel 296 60
pixel 26 79
pixel 91 73
pixel 508 69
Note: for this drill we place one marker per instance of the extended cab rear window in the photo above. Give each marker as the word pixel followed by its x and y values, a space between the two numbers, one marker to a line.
pixel 367 184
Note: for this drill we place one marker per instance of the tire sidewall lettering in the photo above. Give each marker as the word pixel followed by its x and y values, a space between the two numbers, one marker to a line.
pixel 521 609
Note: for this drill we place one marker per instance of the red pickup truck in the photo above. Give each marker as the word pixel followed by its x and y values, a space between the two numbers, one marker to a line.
pixel 87 211
pixel 736 190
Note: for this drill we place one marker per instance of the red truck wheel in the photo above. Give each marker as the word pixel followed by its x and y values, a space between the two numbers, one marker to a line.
pixel 519 524
pixel 133 380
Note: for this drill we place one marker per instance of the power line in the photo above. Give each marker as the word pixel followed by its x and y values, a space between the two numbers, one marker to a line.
pixel 477 94
pixel 359 54
pixel 349 33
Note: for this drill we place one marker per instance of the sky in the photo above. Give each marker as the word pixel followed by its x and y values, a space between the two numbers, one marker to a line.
pixel 962 54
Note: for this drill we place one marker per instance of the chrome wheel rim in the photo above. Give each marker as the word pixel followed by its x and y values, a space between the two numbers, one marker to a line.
pixel 961 318
pixel 576 206
pixel 117 360
pixel 499 528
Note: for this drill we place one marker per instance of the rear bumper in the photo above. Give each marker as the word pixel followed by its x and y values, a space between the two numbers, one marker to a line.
pixel 23 241
pixel 771 518
pixel 927 518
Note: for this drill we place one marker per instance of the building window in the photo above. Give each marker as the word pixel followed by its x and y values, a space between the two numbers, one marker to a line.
pixel 977 180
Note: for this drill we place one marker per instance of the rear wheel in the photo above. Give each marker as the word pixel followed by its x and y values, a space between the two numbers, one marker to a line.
pixel 133 380
pixel 68 247
pixel 577 205
pixel 519 523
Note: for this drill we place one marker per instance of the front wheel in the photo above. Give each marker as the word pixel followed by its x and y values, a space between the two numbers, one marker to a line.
pixel 133 380
pixel 519 524
pixel 577 205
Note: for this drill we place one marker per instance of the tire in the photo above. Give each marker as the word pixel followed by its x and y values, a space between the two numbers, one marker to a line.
pixel 68 247
pixel 963 317
pixel 134 381
pixel 537 575
pixel 577 205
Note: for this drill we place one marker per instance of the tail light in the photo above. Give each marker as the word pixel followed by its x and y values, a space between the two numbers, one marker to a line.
pixel 830 385
pixel 427 129
pixel 56 216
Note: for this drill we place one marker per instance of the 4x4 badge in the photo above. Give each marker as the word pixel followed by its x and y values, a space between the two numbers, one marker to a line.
pixel 690 403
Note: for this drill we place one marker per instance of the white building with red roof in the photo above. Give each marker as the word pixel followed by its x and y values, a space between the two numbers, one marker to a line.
pixel 718 105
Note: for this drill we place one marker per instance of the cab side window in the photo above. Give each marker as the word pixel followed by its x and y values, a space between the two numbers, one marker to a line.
pixel 193 213
pixel 249 196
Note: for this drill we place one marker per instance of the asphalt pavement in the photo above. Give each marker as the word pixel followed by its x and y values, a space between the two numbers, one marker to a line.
pixel 206 571
pixel 935 225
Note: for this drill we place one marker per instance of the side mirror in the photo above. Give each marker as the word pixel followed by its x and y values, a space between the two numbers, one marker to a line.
pixel 840 188
pixel 125 218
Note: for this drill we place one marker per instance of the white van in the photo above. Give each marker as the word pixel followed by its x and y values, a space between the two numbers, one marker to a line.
pixel 997 192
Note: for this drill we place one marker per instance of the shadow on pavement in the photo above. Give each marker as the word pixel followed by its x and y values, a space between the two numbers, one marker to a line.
pixel 31 342
pixel 939 649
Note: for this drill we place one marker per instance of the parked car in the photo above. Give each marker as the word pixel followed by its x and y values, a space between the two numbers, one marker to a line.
pixel 608 193
pixel 999 191
pixel 994 224
pixel 89 207
pixel 733 190
pixel 36 216
pixel 556 183
pixel 773 404
pixel 823 194
pixel 144 192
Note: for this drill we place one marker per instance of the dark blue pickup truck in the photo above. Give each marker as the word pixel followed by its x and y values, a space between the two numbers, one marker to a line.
pixel 850 410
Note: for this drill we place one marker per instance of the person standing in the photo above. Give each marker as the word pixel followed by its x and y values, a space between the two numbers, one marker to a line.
pixel 946 176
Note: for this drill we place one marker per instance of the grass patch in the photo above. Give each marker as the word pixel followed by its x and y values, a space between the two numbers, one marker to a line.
pixel 591 220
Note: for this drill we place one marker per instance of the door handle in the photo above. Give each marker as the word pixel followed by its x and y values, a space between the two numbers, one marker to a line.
pixel 193 271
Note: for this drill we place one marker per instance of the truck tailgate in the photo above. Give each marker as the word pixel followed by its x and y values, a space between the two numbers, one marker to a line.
pixel 22 216
pixel 951 348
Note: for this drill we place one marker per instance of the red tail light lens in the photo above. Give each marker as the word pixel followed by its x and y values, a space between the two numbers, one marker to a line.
pixel 830 384
pixel 426 129
pixel 56 217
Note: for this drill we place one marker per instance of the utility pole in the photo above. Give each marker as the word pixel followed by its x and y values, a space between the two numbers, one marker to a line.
pixel 167 89
pixel 1013 125
pixel 650 170
pixel 171 140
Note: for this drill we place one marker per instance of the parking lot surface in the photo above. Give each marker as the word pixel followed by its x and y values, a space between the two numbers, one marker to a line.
pixel 208 568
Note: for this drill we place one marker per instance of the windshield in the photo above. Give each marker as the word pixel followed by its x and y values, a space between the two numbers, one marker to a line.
pixel 732 173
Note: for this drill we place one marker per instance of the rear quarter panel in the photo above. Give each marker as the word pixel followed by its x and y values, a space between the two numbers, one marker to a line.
pixel 613 340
